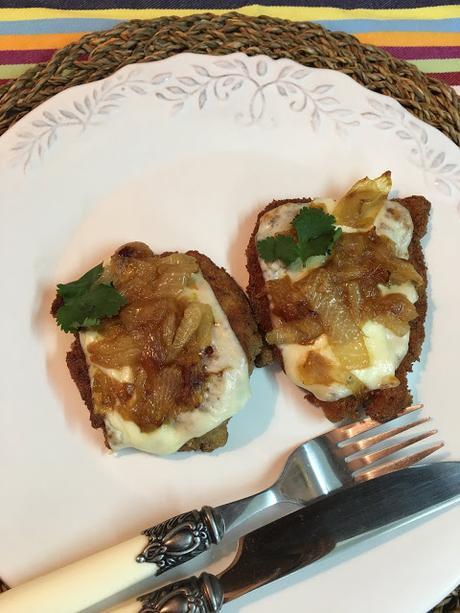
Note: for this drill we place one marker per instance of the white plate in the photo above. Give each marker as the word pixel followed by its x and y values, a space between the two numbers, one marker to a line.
pixel 182 154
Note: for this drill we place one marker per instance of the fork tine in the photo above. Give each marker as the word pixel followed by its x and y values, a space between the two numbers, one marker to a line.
pixel 397 464
pixel 343 433
pixel 370 458
pixel 353 447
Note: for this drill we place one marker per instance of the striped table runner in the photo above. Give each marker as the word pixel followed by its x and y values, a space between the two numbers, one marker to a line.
pixel 427 36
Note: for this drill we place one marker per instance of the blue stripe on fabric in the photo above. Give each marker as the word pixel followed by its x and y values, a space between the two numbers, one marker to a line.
pixel 56 26
pixel 353 26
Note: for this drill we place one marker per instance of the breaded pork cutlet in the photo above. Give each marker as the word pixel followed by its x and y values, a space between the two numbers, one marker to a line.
pixel 362 391
pixel 177 375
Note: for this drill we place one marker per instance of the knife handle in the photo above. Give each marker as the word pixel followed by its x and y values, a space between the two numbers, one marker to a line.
pixel 202 594
pixel 181 538
pixel 99 576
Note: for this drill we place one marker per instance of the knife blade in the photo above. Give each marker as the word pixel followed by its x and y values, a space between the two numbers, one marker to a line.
pixel 299 539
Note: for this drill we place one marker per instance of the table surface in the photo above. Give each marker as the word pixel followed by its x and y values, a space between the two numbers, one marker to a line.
pixel 422 32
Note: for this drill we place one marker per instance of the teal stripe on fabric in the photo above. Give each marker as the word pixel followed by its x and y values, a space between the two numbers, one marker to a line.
pixel 353 26
pixel 56 26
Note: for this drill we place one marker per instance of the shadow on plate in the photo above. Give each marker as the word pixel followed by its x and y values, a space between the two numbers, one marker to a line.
pixel 247 425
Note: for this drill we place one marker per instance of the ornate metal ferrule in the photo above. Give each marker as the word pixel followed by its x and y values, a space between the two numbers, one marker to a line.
pixel 201 594
pixel 181 538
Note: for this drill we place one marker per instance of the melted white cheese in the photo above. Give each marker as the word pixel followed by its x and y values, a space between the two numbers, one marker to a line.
pixel 386 350
pixel 394 221
pixel 226 393
pixel 407 289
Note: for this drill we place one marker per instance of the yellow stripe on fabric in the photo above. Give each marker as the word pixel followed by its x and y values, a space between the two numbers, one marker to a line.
pixel 410 39
pixel 446 65
pixel 292 12
pixel 21 42
pixel 11 71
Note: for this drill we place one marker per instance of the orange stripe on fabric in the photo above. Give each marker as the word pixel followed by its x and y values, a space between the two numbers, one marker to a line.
pixel 410 39
pixel 396 39
pixel 37 41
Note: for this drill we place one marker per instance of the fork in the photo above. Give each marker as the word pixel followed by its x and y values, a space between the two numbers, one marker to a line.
pixel 315 468
pixel 338 459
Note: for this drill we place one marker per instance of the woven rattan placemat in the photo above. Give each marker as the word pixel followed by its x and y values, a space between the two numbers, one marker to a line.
pixel 99 54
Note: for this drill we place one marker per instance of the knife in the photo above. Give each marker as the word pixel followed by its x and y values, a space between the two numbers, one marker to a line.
pixel 303 537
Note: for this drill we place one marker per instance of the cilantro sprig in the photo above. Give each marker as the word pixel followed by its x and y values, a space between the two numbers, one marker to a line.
pixel 87 301
pixel 316 234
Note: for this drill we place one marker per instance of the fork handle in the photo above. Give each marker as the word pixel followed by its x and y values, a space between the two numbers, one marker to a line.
pixel 182 538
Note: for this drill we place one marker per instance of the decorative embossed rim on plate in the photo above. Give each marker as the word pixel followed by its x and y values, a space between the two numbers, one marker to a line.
pixel 220 78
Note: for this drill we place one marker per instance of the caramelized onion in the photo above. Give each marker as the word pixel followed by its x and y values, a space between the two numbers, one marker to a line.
pixel 177 262
pixel 319 370
pixel 394 311
pixel 355 299
pixel 159 334
pixel 186 329
pixel 403 271
pixel 287 300
pixel 156 404
pixel 342 295
pixel 168 328
pixel 109 393
pixel 328 300
pixel 301 332
pixel 114 352
pixel 132 277
pixel 170 283
pixel 362 203
pixel 137 313
pixel 135 249
pixel 204 331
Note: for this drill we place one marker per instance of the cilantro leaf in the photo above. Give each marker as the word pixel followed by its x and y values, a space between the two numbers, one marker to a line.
pixel 74 288
pixel 87 302
pixel 321 245
pixel 286 249
pixel 266 248
pixel 279 247
pixel 316 235
pixel 315 246
pixel 311 222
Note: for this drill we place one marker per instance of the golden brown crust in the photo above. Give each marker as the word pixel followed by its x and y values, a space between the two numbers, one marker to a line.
pixel 235 305
pixel 385 404
pixel 78 368
pixel 208 442
pixel 380 404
